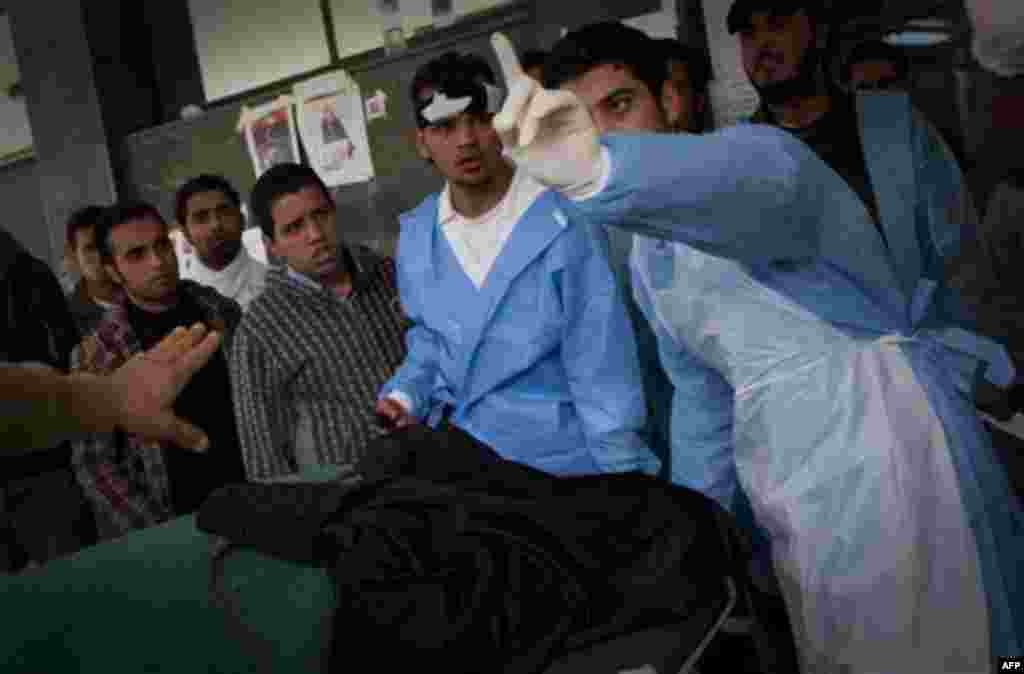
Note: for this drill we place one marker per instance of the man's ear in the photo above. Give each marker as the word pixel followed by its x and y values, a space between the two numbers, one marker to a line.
pixel 671 103
pixel 421 145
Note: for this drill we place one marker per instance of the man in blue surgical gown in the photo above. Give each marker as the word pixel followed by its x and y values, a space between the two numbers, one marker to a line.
pixel 520 336
pixel 894 533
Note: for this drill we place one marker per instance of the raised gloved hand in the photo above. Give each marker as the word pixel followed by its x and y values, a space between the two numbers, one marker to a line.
pixel 550 134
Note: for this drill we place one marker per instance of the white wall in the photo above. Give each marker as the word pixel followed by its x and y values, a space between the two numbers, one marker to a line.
pixel 732 95
pixel 15 134
pixel 243 44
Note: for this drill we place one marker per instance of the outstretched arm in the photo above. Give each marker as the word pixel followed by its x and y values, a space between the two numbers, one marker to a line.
pixel 600 359
pixel 752 193
pixel 42 408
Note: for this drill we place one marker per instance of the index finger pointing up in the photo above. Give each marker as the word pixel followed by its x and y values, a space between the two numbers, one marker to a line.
pixel 508 60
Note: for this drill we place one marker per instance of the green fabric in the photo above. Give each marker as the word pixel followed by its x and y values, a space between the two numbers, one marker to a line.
pixel 141 604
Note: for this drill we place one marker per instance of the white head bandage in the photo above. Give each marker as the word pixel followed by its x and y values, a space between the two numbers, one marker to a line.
pixel 442 107
pixel 482 95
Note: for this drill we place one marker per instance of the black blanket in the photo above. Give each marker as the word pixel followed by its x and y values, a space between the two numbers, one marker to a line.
pixel 447 557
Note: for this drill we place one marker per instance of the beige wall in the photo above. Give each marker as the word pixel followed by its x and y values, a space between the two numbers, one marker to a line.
pixel 15 134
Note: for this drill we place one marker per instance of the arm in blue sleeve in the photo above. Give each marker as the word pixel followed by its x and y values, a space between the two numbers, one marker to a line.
pixel 417 376
pixel 701 416
pixel 600 359
pixel 749 192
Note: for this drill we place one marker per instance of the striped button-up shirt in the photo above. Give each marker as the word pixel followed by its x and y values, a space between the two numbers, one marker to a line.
pixel 306 366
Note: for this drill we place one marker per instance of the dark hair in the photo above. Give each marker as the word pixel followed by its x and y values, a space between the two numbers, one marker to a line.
pixel 202 183
pixel 876 51
pixel 533 58
pixel 116 215
pixel 604 43
pixel 741 13
pixel 276 182
pixel 83 218
pixel 450 71
pixel 696 61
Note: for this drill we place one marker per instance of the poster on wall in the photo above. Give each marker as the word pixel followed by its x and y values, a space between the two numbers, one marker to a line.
pixel 270 134
pixel 332 125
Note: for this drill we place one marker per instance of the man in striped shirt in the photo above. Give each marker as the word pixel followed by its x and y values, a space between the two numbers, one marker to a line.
pixel 314 349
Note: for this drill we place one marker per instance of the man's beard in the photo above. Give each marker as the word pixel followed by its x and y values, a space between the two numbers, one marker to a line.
pixel 801 85
pixel 225 255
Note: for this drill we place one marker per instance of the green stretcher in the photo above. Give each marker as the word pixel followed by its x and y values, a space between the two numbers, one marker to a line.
pixel 141 604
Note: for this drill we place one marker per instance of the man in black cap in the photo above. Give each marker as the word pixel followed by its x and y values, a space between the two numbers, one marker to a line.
pixel 783 45
pixel 783 50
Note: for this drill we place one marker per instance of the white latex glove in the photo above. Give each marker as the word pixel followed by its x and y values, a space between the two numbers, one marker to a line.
pixel 550 134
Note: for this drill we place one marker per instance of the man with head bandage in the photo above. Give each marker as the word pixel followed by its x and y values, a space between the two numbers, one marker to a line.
pixel 520 335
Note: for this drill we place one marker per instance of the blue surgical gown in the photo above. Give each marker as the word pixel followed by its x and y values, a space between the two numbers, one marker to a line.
pixel 540 362
pixel 896 538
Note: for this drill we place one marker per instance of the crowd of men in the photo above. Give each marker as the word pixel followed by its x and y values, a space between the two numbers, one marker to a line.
pixel 765 314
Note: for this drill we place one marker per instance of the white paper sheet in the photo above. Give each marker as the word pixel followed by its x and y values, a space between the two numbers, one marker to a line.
pixel 332 125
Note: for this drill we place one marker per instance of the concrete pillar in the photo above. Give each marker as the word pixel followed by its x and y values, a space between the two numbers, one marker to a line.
pixel 93 73
pixel 73 165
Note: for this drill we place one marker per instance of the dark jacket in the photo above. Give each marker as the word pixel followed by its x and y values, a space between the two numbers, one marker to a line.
pixel 35 326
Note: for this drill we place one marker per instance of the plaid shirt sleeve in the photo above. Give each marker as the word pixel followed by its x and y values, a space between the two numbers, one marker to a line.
pixel 122 476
